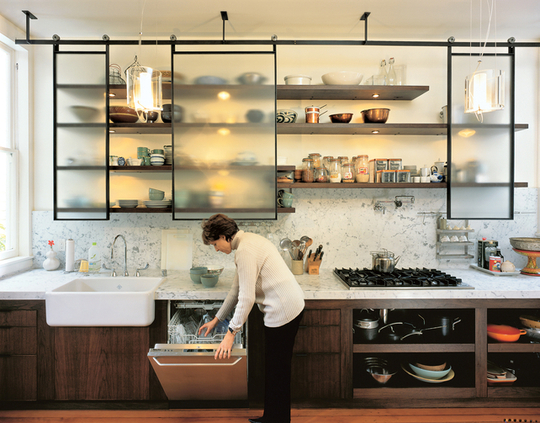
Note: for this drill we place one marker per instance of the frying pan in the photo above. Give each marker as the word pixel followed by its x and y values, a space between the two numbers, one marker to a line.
pixel 504 333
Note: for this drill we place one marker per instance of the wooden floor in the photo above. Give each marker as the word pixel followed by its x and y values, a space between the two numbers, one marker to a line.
pixel 434 415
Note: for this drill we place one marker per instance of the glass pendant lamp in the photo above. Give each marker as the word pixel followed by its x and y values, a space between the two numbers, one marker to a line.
pixel 143 89
pixel 484 91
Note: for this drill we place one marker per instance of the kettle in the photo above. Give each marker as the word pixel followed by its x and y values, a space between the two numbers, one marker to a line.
pixel 384 261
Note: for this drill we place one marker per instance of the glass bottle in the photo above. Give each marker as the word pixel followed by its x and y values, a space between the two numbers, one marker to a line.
pixel 335 171
pixel 362 168
pixel 391 79
pixel 326 161
pixel 347 172
pixel 316 157
pixel 380 79
pixel 321 174
pixel 308 170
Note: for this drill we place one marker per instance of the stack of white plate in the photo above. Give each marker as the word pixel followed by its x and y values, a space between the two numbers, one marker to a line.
pixel 128 204
pixel 158 204
pixel 157 159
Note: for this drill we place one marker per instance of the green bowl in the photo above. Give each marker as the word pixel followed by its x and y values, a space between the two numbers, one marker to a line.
pixel 196 272
pixel 209 280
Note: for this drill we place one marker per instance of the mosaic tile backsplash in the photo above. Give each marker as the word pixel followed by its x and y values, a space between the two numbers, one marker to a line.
pixel 346 222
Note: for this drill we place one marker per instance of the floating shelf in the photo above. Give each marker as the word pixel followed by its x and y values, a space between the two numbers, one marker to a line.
pixel 350 92
pixel 140 128
pixel 358 185
pixel 280 210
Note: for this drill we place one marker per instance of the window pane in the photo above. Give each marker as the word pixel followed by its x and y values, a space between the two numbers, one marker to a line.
pixel 5 98
pixel 7 203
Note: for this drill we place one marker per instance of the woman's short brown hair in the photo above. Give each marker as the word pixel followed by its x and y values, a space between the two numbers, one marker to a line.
pixel 218 225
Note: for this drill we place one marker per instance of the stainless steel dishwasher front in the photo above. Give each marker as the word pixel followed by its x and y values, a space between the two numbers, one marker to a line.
pixel 185 366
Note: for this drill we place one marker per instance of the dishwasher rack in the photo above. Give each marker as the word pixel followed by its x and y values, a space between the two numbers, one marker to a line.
pixel 183 327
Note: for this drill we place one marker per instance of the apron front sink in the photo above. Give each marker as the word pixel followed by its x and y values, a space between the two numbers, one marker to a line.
pixel 103 301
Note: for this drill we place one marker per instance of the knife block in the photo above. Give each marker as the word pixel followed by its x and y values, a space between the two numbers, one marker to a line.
pixel 313 266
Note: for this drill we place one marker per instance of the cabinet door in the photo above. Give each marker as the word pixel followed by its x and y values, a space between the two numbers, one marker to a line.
pixel 224 147
pixel 80 136
pixel 102 363
pixel 481 145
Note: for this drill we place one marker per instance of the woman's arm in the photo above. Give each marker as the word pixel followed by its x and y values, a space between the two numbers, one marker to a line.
pixel 230 301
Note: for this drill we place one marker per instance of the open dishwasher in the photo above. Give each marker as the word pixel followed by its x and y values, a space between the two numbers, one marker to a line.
pixel 185 365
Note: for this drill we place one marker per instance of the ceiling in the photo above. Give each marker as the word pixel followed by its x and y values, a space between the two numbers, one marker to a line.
pixel 433 20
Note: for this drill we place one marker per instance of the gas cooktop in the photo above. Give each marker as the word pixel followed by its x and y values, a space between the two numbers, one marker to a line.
pixel 399 279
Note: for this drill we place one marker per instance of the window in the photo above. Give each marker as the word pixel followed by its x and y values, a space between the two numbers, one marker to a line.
pixel 8 157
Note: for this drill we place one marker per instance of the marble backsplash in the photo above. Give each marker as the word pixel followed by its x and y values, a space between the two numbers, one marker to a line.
pixel 344 221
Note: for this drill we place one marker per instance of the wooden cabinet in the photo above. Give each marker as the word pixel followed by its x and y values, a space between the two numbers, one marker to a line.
pixel 316 363
pixel 18 355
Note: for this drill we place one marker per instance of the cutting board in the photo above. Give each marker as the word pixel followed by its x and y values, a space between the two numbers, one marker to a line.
pixel 176 249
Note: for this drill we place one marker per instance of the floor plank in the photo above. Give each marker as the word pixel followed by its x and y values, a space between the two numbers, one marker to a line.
pixel 438 415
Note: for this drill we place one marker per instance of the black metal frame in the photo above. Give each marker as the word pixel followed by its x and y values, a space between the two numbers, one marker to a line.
pixel 56 52
pixel 511 54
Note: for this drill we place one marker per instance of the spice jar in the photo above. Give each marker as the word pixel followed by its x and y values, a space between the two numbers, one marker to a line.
pixel 362 168
pixel 347 172
pixel 321 174
pixel 335 171
pixel 308 170
pixel 316 157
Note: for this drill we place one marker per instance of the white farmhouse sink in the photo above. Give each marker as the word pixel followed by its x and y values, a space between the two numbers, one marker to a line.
pixel 100 301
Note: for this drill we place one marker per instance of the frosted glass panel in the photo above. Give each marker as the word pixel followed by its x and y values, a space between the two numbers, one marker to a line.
pixel 225 144
pixel 81 174
pixel 481 182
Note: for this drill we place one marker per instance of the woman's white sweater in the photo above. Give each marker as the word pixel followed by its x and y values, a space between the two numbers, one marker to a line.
pixel 263 278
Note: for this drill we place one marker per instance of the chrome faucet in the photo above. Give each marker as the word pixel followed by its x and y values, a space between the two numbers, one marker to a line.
pixel 125 253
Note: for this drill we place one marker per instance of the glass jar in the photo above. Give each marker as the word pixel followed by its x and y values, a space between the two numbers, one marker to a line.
pixel 362 168
pixel 322 174
pixel 308 170
pixel 343 159
pixel 316 157
pixel 347 172
pixel 387 176
pixel 335 171
pixel 326 161
pixel 403 176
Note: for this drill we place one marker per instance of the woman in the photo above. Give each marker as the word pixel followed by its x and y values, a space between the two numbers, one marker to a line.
pixel 261 278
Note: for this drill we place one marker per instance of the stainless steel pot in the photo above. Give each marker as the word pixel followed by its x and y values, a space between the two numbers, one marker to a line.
pixel 384 261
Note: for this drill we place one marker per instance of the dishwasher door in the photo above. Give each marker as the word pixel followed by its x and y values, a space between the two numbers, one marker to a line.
pixel 190 372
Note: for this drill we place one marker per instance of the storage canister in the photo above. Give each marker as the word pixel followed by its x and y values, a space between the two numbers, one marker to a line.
pixel 335 171
pixel 326 162
pixel 395 164
pixel 362 168
pixel 374 166
pixel 403 176
pixel 347 172
pixel 316 157
pixel 321 174
pixel 387 176
pixel 308 170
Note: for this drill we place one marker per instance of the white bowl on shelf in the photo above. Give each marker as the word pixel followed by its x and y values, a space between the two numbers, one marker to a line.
pixel 128 204
pixel 342 78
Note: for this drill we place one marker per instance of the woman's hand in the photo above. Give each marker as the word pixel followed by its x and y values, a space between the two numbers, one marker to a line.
pixel 224 349
pixel 209 326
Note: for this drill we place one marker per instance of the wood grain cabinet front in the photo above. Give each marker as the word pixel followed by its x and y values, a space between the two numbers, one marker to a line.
pixel 18 355
pixel 316 368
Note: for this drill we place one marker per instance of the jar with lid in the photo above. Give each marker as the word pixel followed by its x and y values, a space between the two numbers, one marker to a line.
pixel 316 157
pixel 335 171
pixel 362 168
pixel 322 174
pixel 403 176
pixel 490 250
pixel 343 159
pixel 347 172
pixel 326 161
pixel 308 170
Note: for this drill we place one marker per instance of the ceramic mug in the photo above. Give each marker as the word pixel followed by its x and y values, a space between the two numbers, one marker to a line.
pixel 285 202
pixel 285 194
pixel 143 152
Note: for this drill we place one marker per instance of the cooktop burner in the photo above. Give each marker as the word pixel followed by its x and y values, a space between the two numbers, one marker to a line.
pixel 399 279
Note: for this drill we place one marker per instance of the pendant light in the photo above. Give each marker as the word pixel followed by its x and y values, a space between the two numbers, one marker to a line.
pixel 143 85
pixel 484 89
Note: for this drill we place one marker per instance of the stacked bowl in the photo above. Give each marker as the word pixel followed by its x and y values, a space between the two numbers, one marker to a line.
pixel 157 158
pixel 379 369
pixel 429 373
pixel 207 275
pixel 168 154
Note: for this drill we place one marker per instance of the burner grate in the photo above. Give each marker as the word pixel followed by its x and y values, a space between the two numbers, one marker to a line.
pixel 418 278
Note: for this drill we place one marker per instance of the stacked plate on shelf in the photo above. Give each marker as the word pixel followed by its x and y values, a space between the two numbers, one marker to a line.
pixel 498 376
pixel 128 204
pixel 424 373
pixel 158 204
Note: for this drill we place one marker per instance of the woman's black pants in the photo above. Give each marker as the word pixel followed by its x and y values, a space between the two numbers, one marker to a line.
pixel 279 343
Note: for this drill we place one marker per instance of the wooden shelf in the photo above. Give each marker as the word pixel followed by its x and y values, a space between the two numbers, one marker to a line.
pixel 83 167
pixel 358 185
pixel 119 91
pixel 140 169
pixel 140 128
pixel 400 347
pixel 280 210
pixel 367 128
pixel 350 92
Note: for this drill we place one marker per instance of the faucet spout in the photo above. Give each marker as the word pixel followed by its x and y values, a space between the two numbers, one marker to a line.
pixel 125 252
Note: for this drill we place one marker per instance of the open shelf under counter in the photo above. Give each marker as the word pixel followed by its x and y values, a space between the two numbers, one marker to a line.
pixel 350 92
pixel 400 347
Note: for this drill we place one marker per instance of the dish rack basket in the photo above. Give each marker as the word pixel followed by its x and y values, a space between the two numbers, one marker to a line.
pixel 183 327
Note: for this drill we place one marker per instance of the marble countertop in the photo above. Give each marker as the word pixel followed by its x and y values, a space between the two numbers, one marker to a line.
pixel 33 284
